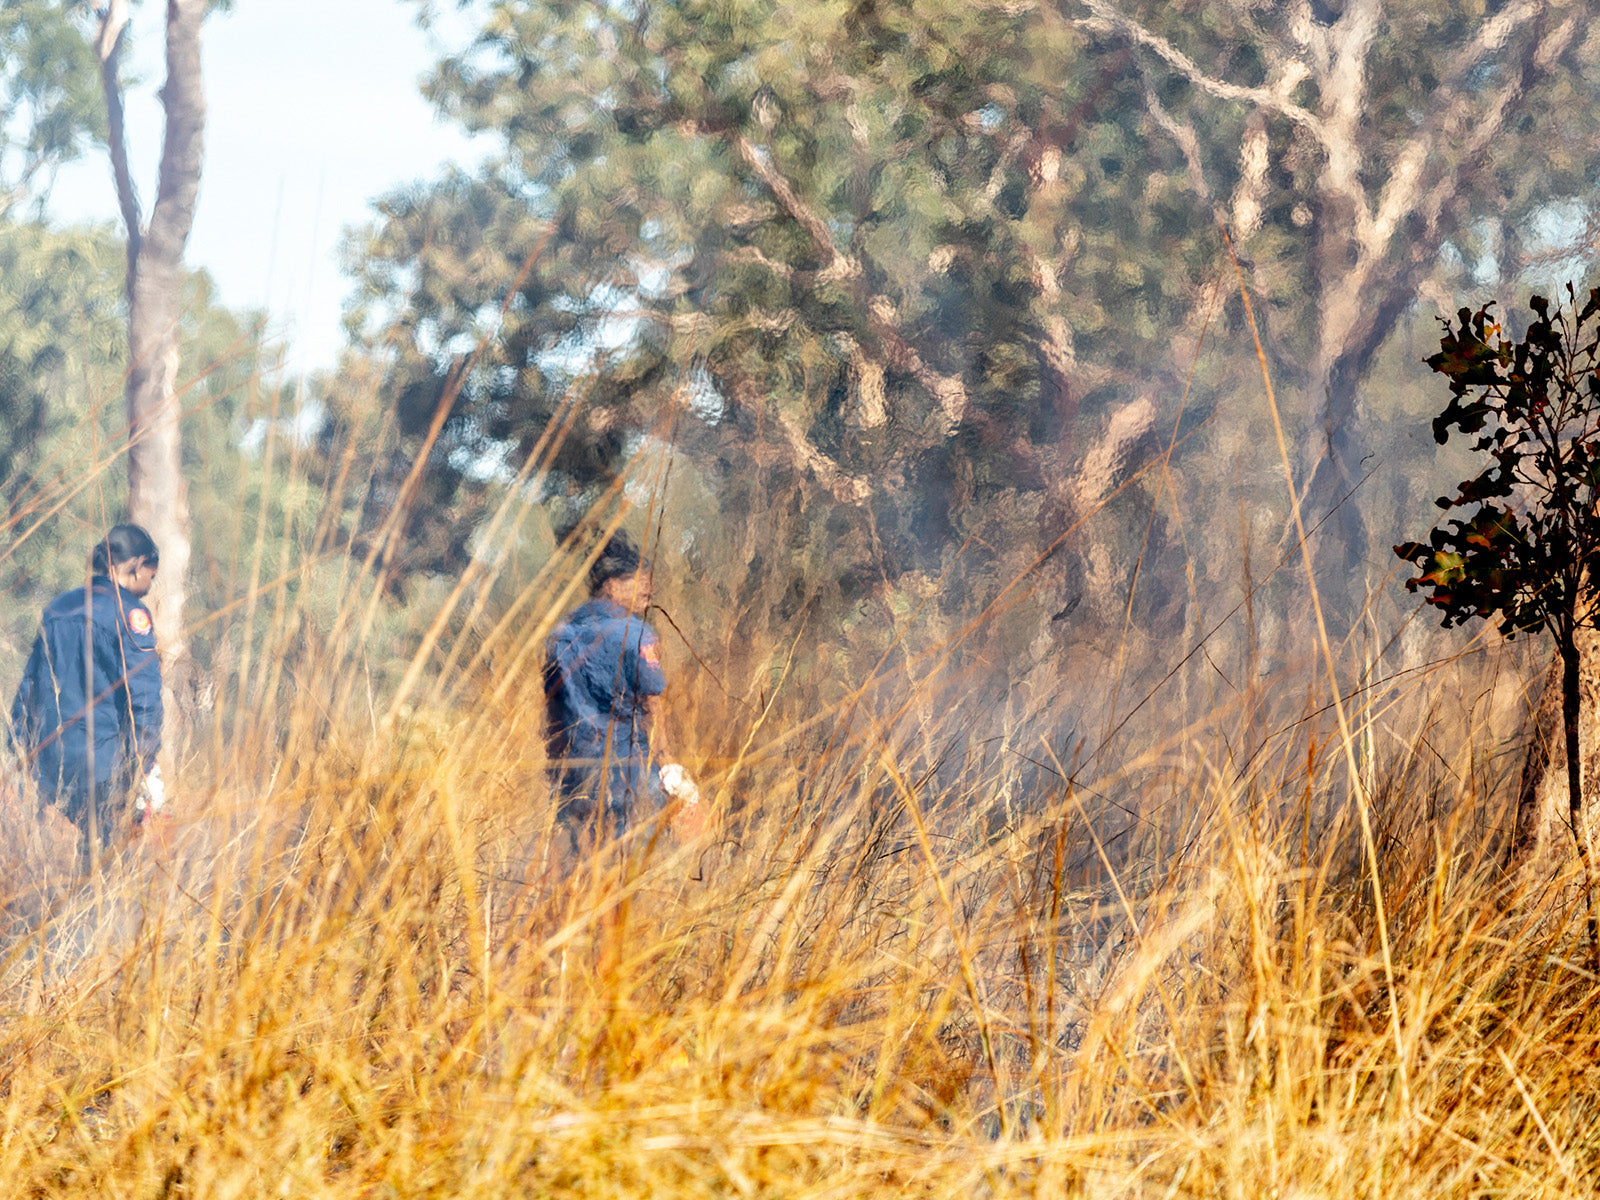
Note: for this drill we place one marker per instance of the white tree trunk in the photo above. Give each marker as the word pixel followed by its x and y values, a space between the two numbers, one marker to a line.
pixel 157 493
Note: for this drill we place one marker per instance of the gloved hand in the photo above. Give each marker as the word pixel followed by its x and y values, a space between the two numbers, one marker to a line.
pixel 676 783
pixel 152 797
pixel 690 819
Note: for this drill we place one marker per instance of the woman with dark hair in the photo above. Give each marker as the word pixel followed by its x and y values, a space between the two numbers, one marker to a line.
pixel 88 713
pixel 603 683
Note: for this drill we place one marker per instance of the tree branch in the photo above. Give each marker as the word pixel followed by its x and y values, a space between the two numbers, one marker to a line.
pixel 108 49
pixel 803 455
pixel 1372 294
pixel 1312 35
pixel 1184 135
pixel 1492 36
pixel 1486 127
pixel 949 392
pixel 184 99
pixel 846 488
pixel 17 192
pixel 836 265
pixel 1129 434
pixel 1400 193
pixel 752 256
pixel 1105 15
pixel 1344 87
pixel 1338 145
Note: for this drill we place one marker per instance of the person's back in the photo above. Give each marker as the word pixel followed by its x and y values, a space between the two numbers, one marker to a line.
pixel 87 714
pixel 602 678
pixel 601 668
pixel 90 698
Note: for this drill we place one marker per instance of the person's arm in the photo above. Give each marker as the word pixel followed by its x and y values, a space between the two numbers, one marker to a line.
pixel 652 682
pixel 21 732
pixel 140 668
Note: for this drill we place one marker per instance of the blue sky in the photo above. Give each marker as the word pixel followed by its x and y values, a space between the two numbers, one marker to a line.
pixel 314 110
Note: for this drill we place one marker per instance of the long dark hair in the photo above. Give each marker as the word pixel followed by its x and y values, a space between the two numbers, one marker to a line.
pixel 123 543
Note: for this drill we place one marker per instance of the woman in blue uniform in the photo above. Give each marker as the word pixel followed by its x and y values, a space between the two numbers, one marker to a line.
pixel 87 717
pixel 603 683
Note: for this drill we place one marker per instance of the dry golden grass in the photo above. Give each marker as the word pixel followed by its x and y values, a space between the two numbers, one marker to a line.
pixel 375 969
pixel 1255 956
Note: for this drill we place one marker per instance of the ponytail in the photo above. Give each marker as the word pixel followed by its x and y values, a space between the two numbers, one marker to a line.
pixel 123 543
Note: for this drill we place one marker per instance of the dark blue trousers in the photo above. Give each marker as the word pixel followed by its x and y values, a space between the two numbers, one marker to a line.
pixel 602 802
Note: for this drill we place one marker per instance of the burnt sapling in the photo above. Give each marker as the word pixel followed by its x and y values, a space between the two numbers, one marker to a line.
pixel 1521 552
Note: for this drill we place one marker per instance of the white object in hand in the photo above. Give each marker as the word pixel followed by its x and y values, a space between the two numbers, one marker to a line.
pixel 153 795
pixel 676 783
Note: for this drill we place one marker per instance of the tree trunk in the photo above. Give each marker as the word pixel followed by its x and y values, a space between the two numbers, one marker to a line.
pixel 1528 829
pixel 157 493
pixel 1544 799
pixel 1580 831
pixel 1358 306
pixel 1331 468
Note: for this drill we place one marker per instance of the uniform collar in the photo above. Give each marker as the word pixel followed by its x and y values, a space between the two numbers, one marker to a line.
pixel 112 586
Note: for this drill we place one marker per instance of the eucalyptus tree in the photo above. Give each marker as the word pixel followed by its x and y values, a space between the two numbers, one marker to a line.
pixel 929 278
pixel 893 257
pixel 158 496
pixel 63 361
pixel 1356 150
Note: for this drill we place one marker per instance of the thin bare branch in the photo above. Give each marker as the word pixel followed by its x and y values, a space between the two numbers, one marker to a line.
pixel 838 266
pixel 1487 125
pixel 1105 15
pixel 1452 119
pixel 1181 132
pixel 846 488
pixel 108 49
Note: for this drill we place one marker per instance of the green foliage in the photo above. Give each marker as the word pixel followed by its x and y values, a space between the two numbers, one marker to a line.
pixel 50 102
pixel 764 226
pixel 63 350
pixel 1532 408
pixel 881 275
pixel 759 223
pixel 60 306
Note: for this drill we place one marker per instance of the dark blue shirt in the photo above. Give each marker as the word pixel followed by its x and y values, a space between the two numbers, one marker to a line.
pixel 601 666
pixel 89 707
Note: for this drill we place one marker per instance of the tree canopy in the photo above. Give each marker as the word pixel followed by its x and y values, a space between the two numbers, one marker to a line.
pixel 50 109
pixel 945 269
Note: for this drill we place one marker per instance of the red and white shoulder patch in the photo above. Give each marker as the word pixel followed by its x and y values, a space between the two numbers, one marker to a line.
pixel 650 654
pixel 139 621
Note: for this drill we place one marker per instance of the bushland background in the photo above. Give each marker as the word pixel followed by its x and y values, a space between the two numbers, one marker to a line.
pixel 1078 823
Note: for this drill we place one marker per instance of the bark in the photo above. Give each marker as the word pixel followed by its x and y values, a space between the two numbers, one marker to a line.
pixel 1130 440
pixel 108 47
pixel 157 493
pixel 1536 766
pixel 1580 833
